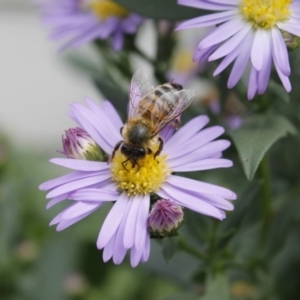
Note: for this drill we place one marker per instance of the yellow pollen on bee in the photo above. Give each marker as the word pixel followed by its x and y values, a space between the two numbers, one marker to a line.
pixel 146 178
pixel 107 8
pixel 265 14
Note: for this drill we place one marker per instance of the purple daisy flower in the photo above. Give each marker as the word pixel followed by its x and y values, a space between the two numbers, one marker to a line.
pixel 78 22
pixel 249 30
pixel 94 183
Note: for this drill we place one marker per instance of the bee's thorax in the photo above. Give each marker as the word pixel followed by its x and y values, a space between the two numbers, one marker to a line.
pixel 136 133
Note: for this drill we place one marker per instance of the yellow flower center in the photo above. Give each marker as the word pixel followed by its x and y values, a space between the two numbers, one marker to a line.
pixel 265 14
pixel 106 8
pixel 145 178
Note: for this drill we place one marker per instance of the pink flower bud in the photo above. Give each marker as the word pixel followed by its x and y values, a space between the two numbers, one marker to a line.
pixel 165 218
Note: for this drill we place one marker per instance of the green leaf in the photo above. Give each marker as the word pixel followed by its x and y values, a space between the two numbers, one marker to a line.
pixel 161 9
pixel 256 136
pixel 218 289
pixel 169 247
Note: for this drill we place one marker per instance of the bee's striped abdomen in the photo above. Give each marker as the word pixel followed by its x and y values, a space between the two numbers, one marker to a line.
pixel 156 106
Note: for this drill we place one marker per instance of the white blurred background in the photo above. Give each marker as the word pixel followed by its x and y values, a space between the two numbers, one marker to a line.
pixel 37 85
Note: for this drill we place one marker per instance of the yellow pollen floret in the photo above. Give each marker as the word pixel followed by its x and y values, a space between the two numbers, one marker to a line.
pixel 107 8
pixel 265 14
pixel 146 178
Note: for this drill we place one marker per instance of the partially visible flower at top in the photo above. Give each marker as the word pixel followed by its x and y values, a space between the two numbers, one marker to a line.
pixel 78 144
pixel 249 31
pixel 165 218
pixel 78 22
pixel 93 183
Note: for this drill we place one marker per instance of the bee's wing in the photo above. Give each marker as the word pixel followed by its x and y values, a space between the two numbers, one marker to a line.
pixel 139 88
pixel 181 100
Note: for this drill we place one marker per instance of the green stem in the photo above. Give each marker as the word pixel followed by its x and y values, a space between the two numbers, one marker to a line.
pixel 266 198
pixel 183 245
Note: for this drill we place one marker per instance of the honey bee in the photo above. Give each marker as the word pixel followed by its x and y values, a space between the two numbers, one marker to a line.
pixel 149 111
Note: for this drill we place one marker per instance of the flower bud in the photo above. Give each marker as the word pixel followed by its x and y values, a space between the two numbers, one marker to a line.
pixel 291 41
pixel 79 145
pixel 165 218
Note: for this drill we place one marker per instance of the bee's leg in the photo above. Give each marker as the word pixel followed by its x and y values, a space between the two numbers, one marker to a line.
pixel 136 163
pixel 149 151
pixel 124 162
pixel 121 130
pixel 161 144
pixel 114 151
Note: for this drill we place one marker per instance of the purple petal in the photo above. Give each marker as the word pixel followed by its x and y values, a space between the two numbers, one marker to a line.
pixel 92 126
pixel 118 40
pixel 208 20
pixel 232 43
pixel 141 222
pixel 93 194
pixel 205 164
pixel 222 33
pixel 82 36
pixel 258 46
pixel 190 201
pixel 203 54
pixel 284 79
pixel 228 59
pixel 201 138
pixel 108 27
pixel 240 64
pixel 110 112
pixel 119 249
pixel 279 52
pixel 264 74
pixel 252 84
pixel 67 223
pixel 201 153
pixel 136 255
pixel 50 184
pixel 56 200
pixel 210 5
pixel 108 250
pixel 80 165
pixel 79 209
pixel 167 132
pixel 290 27
pixel 112 221
pixel 202 187
pixel 146 252
pixel 185 133
pixel 130 225
pixel 77 184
